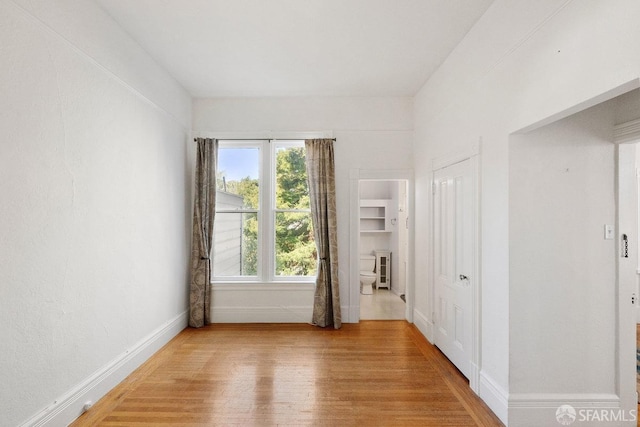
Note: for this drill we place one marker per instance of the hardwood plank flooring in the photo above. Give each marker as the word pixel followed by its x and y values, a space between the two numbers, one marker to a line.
pixel 375 373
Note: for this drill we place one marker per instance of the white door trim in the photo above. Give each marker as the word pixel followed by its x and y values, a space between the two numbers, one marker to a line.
pixel 355 175
pixel 627 207
pixel 473 154
pixel 627 132
pixel 456 157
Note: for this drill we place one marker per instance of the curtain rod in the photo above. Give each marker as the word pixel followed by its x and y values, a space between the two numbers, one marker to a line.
pixel 262 139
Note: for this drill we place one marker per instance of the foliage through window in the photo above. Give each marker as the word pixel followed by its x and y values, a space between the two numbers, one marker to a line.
pixel 263 229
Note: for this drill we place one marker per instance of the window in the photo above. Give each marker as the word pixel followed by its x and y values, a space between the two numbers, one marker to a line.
pixel 263 230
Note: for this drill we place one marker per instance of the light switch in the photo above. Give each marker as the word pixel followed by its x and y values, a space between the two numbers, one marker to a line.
pixel 608 232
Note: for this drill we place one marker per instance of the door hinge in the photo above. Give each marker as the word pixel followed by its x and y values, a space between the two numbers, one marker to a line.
pixel 433 188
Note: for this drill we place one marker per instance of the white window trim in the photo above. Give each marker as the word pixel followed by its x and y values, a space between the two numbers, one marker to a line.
pixel 266 212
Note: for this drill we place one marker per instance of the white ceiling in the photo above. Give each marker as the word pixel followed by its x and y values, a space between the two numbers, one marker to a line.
pixel 298 47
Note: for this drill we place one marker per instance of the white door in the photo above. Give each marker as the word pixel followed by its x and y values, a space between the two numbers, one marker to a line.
pixel 454 212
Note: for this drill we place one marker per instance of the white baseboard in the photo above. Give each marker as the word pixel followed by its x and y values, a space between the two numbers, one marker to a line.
pixel 279 314
pixel 69 406
pixel 474 378
pixel 276 314
pixel 396 291
pixel 525 400
pixel 494 396
pixel 423 324
pixel 353 314
pixel 350 313
pixel 529 409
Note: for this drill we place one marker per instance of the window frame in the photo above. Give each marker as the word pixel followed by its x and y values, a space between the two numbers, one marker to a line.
pixel 266 212
pixel 240 144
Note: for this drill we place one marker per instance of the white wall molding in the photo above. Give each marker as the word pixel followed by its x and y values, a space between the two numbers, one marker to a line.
pixel 353 314
pixel 69 406
pixel 346 309
pixel 354 245
pixel 494 396
pixel 267 134
pixel 581 106
pixel 545 400
pixel 272 314
pixel 474 377
pixel 627 132
pixel 457 157
pixel 540 408
pixel 424 325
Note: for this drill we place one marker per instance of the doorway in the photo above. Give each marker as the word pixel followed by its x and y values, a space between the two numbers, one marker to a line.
pixel 455 253
pixel 573 254
pixel 383 249
pixel 389 209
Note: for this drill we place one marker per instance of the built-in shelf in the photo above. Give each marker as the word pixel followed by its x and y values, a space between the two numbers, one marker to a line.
pixel 373 215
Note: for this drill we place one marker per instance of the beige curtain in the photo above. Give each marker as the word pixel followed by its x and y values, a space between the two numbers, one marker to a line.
pixel 322 192
pixel 202 237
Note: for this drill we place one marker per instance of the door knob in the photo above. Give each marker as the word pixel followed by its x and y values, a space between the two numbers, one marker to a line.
pixel 463 277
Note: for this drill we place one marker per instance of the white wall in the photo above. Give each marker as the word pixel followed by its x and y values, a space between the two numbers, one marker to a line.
pixel 371 133
pixel 376 189
pixel 562 271
pixel 95 215
pixel 524 63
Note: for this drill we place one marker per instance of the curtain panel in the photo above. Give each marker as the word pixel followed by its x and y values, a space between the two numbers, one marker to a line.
pixel 322 193
pixel 204 208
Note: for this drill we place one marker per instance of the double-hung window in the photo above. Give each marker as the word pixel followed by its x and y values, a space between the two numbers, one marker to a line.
pixel 263 230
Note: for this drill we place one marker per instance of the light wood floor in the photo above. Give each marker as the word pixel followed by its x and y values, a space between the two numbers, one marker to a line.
pixel 375 373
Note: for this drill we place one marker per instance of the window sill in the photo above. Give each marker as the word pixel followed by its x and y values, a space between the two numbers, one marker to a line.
pixel 263 286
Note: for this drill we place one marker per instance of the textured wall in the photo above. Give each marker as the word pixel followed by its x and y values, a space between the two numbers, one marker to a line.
pixel 94 184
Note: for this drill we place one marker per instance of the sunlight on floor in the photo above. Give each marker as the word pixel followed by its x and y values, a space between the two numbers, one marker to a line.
pixel 381 305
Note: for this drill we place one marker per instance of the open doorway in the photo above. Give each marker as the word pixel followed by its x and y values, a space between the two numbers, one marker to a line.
pixel 383 249
pixel 385 203
pixel 626 136
pixel 573 253
pixel 629 203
